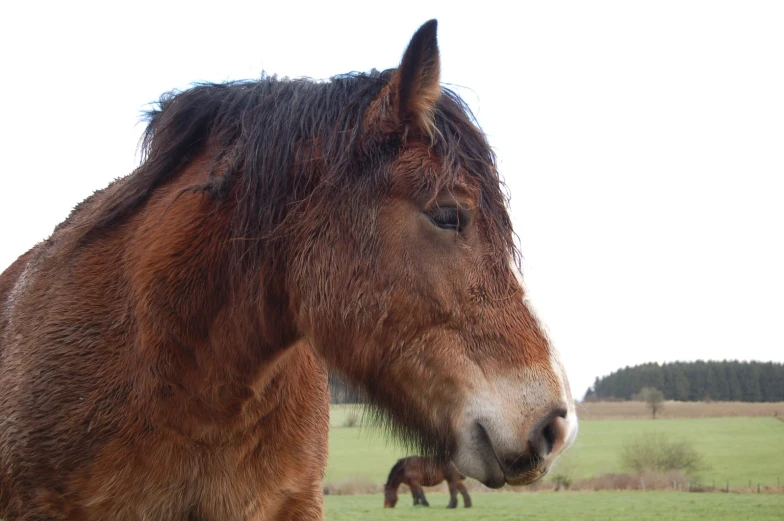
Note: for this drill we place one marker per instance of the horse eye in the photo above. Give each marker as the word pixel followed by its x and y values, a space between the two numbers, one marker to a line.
pixel 449 219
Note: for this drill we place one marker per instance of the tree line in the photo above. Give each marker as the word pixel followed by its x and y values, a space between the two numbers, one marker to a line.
pixel 695 381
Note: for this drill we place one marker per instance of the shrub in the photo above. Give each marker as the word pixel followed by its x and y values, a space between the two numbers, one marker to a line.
pixel 656 452
pixel 562 481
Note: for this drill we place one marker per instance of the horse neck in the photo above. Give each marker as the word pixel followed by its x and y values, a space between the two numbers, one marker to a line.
pixel 396 477
pixel 390 491
pixel 395 482
pixel 203 315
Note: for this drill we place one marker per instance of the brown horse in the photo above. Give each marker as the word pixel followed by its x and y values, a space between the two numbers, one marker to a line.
pixel 163 354
pixel 419 472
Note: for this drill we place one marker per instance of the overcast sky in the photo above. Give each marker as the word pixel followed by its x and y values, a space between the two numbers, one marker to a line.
pixel 642 142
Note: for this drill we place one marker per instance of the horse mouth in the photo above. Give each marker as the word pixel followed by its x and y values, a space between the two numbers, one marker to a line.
pixel 497 477
pixel 520 472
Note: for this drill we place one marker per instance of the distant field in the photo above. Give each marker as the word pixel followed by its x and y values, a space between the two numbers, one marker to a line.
pixel 631 410
pixel 638 410
pixel 738 450
pixel 570 506
pixel 360 452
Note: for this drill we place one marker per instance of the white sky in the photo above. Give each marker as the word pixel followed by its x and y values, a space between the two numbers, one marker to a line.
pixel 643 142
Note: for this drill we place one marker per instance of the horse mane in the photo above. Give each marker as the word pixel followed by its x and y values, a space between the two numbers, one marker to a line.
pixel 266 137
pixel 397 468
pixel 255 128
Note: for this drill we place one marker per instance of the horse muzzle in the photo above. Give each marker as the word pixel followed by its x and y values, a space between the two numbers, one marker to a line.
pixel 495 459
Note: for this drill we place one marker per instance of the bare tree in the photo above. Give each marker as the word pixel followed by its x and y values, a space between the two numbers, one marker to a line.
pixel 654 398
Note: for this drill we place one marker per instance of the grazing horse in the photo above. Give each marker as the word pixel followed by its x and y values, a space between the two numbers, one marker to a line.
pixel 164 353
pixel 419 472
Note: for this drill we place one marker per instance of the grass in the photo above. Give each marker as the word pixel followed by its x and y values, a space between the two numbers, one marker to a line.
pixel 361 452
pixel 571 506
pixel 338 414
pixel 737 450
pixel 639 410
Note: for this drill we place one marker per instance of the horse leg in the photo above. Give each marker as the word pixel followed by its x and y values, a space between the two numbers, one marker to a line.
pixel 452 494
pixel 419 494
pixel 423 499
pixel 464 492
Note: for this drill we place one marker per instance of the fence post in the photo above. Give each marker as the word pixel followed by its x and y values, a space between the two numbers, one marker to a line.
pixel 758 488
pixel 728 487
pixel 642 483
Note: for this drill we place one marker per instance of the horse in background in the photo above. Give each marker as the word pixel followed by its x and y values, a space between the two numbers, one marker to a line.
pixel 418 472
pixel 164 353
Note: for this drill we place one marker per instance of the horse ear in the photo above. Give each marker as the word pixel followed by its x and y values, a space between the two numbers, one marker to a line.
pixel 410 98
pixel 418 78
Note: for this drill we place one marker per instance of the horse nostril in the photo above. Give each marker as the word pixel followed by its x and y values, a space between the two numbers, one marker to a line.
pixel 549 437
pixel 549 434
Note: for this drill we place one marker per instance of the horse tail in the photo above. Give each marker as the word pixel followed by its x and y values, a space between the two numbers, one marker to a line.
pixel 397 468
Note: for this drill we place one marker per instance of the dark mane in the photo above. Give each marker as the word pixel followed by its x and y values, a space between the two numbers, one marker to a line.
pixel 255 131
pixel 265 135
pixel 396 469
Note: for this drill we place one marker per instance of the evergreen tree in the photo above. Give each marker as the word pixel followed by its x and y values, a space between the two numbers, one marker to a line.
pixel 735 393
pixel 696 381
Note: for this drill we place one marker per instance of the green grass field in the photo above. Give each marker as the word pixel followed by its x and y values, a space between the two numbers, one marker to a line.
pixel 737 450
pixel 570 506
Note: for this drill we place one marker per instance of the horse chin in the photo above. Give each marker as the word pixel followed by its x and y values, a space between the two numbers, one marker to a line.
pixel 528 477
pixel 478 461
pixel 489 472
